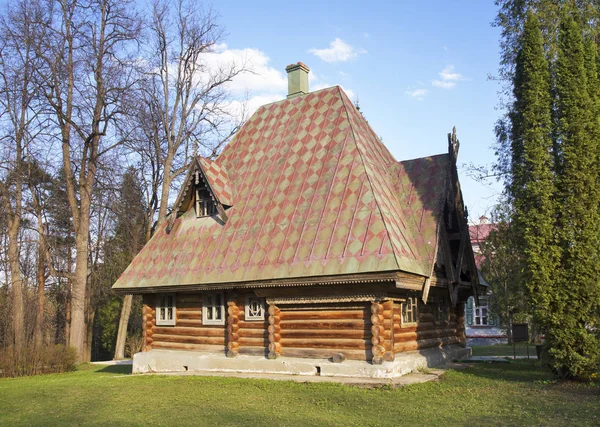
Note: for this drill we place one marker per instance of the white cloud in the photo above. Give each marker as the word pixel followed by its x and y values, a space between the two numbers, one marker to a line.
pixel 418 93
pixel 449 78
pixel 262 84
pixel 338 51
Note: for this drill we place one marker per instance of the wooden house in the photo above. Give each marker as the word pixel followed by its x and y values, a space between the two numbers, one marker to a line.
pixel 307 239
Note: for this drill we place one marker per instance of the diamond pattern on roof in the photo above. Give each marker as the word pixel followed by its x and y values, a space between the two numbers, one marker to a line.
pixel 313 192
pixel 218 180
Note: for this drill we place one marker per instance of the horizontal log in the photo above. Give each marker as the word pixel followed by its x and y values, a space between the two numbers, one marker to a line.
pixel 252 333
pixel 263 324
pixel 320 324
pixel 325 333
pixel 189 340
pixel 328 314
pixel 425 317
pixel 189 315
pixel 422 344
pixel 205 331
pixel 254 342
pixel 311 353
pixel 357 344
pixel 419 335
pixel 191 347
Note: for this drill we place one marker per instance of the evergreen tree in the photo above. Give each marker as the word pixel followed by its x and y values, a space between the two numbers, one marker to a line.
pixel 532 176
pixel 573 342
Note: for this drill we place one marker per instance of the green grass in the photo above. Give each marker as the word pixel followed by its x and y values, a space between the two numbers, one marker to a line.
pixel 503 350
pixel 516 393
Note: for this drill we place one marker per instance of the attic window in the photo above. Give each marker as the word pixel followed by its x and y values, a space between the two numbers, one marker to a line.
pixel 205 206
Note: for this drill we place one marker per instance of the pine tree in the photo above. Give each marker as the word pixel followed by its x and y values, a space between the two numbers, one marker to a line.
pixel 532 177
pixel 574 346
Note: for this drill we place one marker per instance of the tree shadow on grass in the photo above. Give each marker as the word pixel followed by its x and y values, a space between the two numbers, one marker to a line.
pixel 116 369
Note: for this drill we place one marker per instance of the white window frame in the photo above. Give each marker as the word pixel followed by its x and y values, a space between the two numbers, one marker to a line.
pixel 253 317
pixel 413 303
pixel 478 317
pixel 210 309
pixel 162 310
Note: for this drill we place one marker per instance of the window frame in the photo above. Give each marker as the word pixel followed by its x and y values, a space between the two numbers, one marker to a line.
pixel 414 305
pixel 213 307
pixel 477 313
pixel 254 318
pixel 204 206
pixel 160 320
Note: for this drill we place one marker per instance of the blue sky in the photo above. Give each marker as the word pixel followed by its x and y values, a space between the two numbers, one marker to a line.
pixel 417 69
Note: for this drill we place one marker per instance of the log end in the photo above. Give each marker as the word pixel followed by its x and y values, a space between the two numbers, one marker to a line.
pixel 231 353
pixel 273 355
pixel 377 360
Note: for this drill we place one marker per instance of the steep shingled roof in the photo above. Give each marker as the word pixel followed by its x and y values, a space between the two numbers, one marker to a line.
pixel 314 192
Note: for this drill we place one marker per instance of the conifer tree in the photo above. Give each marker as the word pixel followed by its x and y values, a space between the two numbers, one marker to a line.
pixel 573 342
pixel 532 177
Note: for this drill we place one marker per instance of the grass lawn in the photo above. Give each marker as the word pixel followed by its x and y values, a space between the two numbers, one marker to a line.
pixel 503 350
pixel 516 393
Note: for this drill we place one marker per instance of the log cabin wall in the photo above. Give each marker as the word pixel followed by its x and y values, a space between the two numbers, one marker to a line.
pixel 188 333
pixel 321 330
pixel 245 336
pixel 429 331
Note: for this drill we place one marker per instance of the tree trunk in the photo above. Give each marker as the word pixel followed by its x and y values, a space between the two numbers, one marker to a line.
pixel 18 313
pixel 38 337
pixel 89 333
pixel 78 290
pixel 123 322
pixel 164 197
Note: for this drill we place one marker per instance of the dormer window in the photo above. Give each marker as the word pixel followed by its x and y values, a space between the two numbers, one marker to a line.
pixel 205 206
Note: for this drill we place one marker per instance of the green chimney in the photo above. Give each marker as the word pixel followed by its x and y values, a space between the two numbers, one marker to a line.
pixel 297 79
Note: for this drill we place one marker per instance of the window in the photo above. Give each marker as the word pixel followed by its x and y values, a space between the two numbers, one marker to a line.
pixel 213 311
pixel 204 203
pixel 481 313
pixel 255 308
pixel 165 310
pixel 409 310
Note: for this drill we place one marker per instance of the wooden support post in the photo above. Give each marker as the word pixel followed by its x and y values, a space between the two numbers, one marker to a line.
pixel 233 344
pixel 274 335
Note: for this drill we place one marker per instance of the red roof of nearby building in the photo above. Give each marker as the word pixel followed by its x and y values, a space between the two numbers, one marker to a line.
pixel 313 192
pixel 480 232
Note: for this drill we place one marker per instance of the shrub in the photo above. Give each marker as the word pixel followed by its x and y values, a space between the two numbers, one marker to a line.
pixel 31 361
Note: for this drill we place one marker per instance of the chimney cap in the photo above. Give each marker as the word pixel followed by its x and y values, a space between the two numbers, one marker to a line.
pixel 293 67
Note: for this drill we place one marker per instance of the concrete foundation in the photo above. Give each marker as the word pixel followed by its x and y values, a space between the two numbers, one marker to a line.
pixel 163 361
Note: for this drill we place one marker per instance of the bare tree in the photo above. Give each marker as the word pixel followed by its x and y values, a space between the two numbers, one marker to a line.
pixel 183 105
pixel 86 47
pixel 17 97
